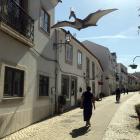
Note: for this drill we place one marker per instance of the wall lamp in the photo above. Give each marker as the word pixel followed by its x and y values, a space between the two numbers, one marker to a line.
pixel 134 66
pixel 67 39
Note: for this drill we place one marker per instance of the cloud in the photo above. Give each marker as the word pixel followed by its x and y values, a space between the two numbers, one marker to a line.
pixel 130 33
pixel 119 36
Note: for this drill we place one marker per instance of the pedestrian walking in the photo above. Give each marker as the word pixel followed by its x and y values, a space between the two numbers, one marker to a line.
pixel 101 96
pixel 118 94
pixel 127 90
pixel 87 103
pixel 124 90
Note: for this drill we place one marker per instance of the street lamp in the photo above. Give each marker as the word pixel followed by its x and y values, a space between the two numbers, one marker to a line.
pixel 134 66
pixel 67 39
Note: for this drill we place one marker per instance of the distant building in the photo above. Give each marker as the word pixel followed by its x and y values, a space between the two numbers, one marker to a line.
pixel 123 75
pixel 108 62
pixel 137 74
pixel 133 83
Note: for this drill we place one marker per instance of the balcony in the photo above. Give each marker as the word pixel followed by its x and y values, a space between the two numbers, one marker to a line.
pixel 16 18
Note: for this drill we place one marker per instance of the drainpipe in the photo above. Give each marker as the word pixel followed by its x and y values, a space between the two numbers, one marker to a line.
pixel 56 74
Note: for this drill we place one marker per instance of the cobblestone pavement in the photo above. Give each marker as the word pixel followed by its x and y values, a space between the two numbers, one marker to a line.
pixel 124 125
pixel 70 125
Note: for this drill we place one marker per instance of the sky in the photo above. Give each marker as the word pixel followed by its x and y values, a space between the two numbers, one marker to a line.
pixel 118 31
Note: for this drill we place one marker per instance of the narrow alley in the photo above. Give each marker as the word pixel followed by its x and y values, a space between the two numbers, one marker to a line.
pixel 110 121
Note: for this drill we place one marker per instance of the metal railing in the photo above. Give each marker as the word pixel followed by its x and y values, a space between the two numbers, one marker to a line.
pixel 14 16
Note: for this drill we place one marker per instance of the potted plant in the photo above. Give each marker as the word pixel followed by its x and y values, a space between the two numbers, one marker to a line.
pixel 137 109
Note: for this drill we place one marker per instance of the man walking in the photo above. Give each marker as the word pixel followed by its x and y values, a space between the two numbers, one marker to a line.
pixel 118 94
pixel 87 102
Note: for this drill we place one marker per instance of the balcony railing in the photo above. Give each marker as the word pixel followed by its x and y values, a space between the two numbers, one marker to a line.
pixel 14 16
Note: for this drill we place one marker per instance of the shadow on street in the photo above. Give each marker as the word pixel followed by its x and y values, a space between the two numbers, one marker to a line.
pixel 117 102
pixel 79 131
pixel 134 116
pixel 138 127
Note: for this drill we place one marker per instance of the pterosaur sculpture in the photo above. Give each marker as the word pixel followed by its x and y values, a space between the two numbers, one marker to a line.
pixel 138 30
pixel 90 20
pixel 56 2
pixel 60 1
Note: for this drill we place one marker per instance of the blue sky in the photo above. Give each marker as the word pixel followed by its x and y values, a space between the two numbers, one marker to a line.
pixel 116 31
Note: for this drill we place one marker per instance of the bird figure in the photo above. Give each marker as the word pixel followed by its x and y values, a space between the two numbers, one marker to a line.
pixel 90 20
pixel 72 13
pixel 60 1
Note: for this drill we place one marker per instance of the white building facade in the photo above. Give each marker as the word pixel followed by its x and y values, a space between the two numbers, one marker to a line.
pixel 36 67
pixel 108 62
pixel 133 83
pixel 77 68
pixel 27 63
pixel 123 76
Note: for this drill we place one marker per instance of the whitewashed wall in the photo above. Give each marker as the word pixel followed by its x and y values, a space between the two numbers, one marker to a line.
pixel 16 113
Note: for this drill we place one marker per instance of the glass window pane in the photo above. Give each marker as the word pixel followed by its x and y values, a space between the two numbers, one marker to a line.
pixel 79 58
pixel 87 67
pixel 45 20
pixel 43 85
pixel 69 53
pixel 14 82
pixel 8 82
pixel 18 83
pixel 93 70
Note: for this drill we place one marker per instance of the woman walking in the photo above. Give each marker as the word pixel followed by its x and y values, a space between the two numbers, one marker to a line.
pixel 87 102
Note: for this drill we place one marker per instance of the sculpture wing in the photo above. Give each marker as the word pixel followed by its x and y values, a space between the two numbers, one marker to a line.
pixel 60 1
pixel 93 18
pixel 55 2
pixel 64 24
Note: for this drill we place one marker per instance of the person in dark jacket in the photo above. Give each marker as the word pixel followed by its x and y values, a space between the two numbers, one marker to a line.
pixel 87 103
pixel 127 90
pixel 118 94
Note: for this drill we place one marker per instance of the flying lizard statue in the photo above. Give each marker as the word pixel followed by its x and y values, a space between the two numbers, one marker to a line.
pixel 90 20
pixel 56 2
pixel 60 1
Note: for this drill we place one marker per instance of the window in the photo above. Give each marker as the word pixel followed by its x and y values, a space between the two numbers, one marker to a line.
pixel 45 21
pixel 13 82
pixel 87 68
pixel 93 87
pixel 73 86
pixel 93 70
pixel 43 85
pixel 79 59
pixel 69 53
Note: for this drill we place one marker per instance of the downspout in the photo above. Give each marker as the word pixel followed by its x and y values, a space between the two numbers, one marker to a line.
pixel 56 74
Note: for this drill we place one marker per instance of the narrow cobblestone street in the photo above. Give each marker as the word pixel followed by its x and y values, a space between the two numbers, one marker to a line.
pixel 110 121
